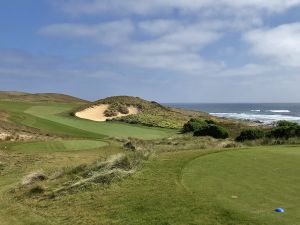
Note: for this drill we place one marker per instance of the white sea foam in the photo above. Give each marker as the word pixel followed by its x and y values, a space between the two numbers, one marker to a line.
pixel 260 117
pixel 255 110
pixel 279 111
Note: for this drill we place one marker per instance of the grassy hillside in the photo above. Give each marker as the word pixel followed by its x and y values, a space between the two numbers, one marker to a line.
pixel 54 118
pixel 150 113
pixel 39 97
pixel 156 115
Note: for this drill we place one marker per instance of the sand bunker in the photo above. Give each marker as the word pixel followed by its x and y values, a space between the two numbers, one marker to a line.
pixel 96 113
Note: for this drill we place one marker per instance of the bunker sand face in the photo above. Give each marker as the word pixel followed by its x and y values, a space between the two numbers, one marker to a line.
pixel 96 113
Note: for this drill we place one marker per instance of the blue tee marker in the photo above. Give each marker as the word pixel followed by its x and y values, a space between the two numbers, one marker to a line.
pixel 280 210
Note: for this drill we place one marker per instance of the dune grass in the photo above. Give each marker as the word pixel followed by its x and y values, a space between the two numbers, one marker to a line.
pixel 17 164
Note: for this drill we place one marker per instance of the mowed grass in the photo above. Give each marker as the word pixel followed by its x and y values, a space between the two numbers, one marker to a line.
pixel 252 182
pixel 55 145
pixel 54 117
pixel 184 187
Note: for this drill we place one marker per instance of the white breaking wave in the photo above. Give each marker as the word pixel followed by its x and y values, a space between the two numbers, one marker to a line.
pixel 279 111
pixel 255 110
pixel 260 117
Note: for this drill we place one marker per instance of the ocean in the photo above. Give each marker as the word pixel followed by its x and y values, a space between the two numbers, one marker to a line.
pixel 264 112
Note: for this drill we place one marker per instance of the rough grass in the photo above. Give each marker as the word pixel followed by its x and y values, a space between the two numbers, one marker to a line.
pixel 113 169
pixel 16 165
pixel 54 145
pixel 155 193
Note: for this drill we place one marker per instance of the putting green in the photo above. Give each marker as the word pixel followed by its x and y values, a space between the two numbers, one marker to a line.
pixel 56 146
pixel 252 182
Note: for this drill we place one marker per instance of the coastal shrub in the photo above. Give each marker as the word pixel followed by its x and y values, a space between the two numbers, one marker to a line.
pixel 284 123
pixel 250 134
pixel 192 125
pixel 284 132
pixel 210 122
pixel 151 120
pixel 212 130
pixel 285 129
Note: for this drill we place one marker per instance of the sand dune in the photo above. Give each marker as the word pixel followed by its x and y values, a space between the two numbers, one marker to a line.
pixel 96 113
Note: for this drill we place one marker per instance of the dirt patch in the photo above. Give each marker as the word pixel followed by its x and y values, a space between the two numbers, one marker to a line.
pixel 96 113
pixel 8 136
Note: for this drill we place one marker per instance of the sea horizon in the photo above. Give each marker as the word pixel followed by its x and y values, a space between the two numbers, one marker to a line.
pixel 265 113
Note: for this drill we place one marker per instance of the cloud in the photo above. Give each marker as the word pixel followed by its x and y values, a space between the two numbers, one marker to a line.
pixel 109 33
pixel 279 45
pixel 146 7
pixel 159 26
pixel 177 49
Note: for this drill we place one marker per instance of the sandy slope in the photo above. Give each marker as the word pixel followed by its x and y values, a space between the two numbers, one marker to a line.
pixel 96 113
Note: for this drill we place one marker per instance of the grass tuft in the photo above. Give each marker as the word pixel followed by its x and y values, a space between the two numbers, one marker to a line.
pixel 33 177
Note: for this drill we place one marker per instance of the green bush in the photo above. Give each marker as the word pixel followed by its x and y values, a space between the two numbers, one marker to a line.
pixel 250 134
pixel 193 125
pixel 212 130
pixel 284 123
pixel 210 122
pixel 285 129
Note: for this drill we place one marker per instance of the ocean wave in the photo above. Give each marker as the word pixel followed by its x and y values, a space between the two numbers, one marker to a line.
pixel 255 110
pixel 279 111
pixel 267 119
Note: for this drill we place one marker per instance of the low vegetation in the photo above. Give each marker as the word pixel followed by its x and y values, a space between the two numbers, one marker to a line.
pixel 102 172
pixel 212 130
pixel 285 129
pixel 205 128
pixel 282 130
pixel 116 108
pixel 251 134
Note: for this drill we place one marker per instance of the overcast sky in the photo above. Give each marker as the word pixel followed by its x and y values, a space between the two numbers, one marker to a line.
pixel 165 50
